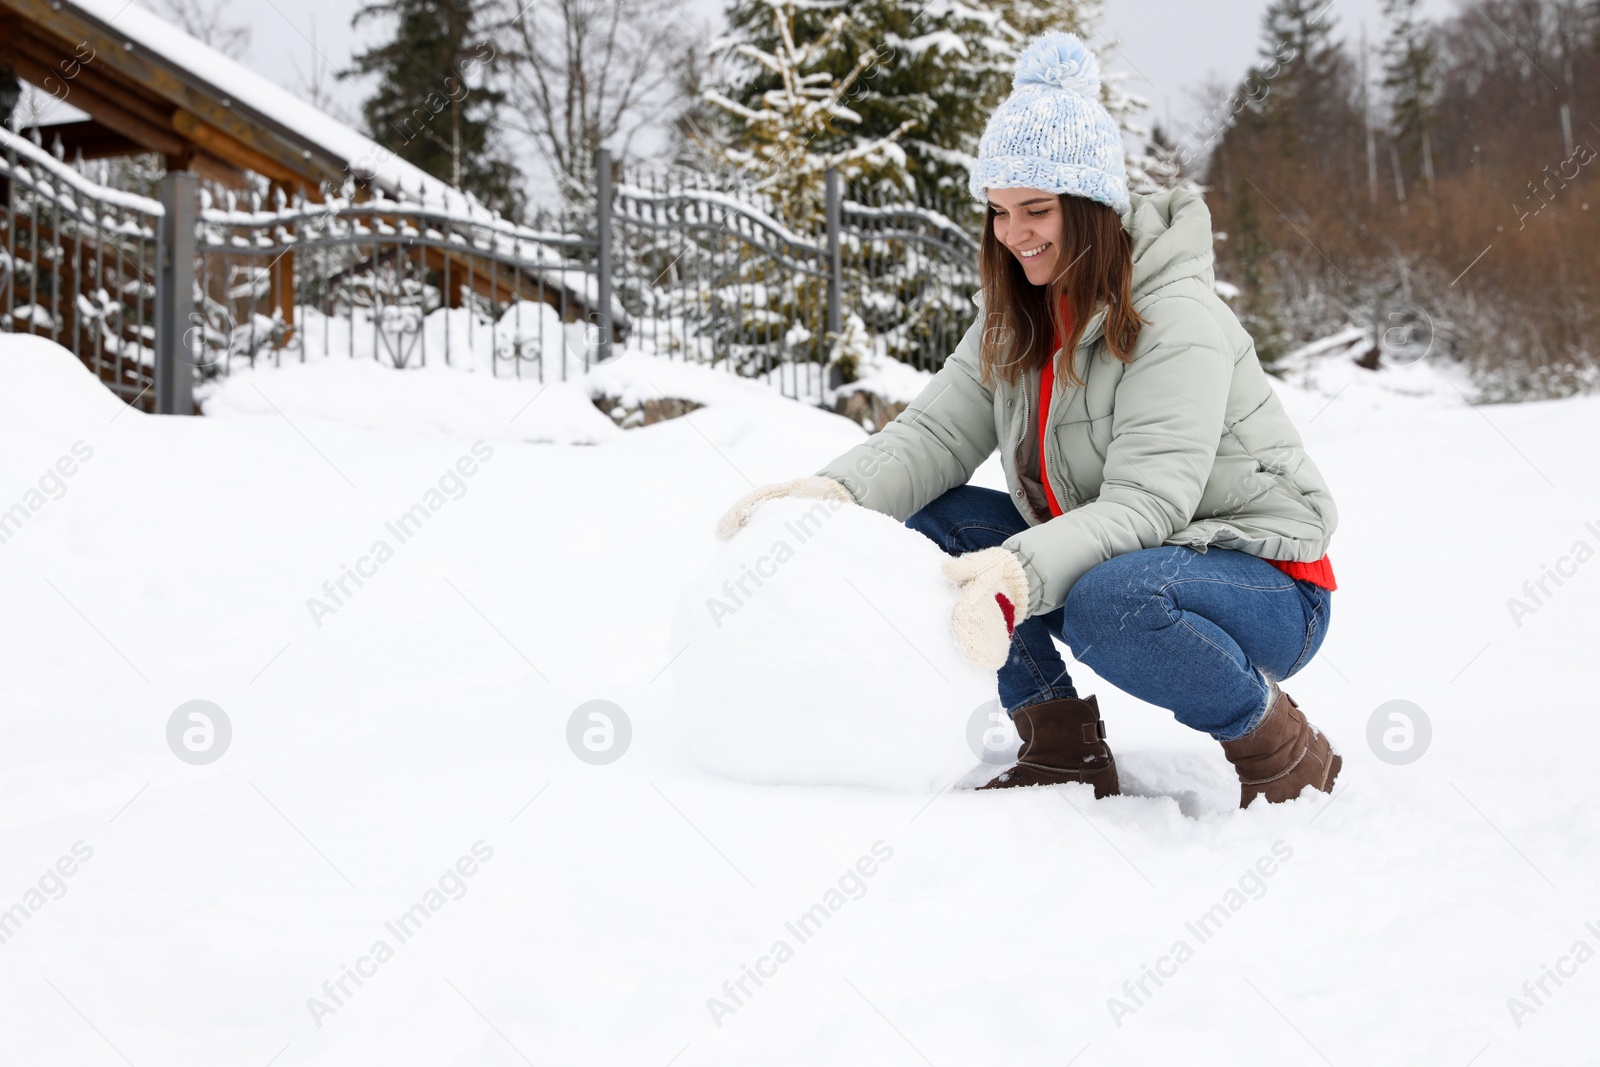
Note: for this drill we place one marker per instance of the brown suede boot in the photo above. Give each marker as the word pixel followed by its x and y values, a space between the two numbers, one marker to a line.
pixel 1062 741
pixel 1282 755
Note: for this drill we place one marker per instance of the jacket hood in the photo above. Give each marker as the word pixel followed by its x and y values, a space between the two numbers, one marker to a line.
pixel 1171 239
pixel 1171 232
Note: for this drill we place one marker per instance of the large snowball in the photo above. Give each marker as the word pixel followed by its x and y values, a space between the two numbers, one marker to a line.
pixel 817 650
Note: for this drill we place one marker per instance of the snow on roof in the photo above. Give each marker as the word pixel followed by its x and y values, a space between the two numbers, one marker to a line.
pixel 294 119
pixel 244 88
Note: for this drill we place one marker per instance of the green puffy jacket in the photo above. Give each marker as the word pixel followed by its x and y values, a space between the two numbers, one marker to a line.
pixel 1187 444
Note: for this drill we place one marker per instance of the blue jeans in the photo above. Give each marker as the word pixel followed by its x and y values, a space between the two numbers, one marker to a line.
pixel 1195 632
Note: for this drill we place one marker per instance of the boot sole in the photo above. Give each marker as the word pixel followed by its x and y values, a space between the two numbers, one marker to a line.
pixel 1335 765
pixel 1105 784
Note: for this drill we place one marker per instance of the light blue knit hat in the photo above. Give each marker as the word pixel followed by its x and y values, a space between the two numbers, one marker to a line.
pixel 1052 132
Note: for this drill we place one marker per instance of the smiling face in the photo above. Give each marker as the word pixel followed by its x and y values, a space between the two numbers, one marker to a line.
pixel 1029 222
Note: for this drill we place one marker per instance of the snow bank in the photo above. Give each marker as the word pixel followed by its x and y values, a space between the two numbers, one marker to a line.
pixel 896 382
pixel 1328 366
pixel 816 650
pixel 43 387
pixel 464 338
pixel 435 400
pixel 432 709
pixel 635 376
pixel 467 398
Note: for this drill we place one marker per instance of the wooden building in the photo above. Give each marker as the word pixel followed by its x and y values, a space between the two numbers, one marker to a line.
pixel 147 88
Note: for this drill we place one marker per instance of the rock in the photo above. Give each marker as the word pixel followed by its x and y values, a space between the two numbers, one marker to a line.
pixel 868 409
pixel 646 413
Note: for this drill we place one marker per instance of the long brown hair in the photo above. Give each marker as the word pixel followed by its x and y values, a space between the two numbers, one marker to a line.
pixel 1022 317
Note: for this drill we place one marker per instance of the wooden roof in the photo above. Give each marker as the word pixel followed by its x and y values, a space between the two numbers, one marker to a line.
pixel 139 101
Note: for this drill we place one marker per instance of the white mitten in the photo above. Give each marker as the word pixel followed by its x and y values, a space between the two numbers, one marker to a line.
pixel 992 604
pixel 814 487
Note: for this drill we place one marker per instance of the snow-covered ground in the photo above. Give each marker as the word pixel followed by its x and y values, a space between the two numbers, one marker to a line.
pixel 413 850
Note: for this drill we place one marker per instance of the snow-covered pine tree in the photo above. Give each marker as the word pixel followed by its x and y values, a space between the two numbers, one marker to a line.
pixel 935 73
pixel 423 109
pixel 1409 61
pixel 932 74
pixel 790 99
pixel 896 93
pixel 1029 18
pixel 789 116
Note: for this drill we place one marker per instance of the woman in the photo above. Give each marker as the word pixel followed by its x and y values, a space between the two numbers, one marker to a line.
pixel 1163 519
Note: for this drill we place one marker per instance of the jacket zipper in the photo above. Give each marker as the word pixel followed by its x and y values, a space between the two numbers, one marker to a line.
pixel 1090 335
pixel 1048 440
pixel 1016 455
pixel 1044 465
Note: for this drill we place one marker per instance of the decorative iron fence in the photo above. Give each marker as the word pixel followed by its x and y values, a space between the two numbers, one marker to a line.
pixel 713 275
pixel 910 271
pixel 159 296
pixel 399 282
pixel 78 265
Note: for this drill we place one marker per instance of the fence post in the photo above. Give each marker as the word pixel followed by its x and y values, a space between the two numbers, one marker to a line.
pixel 835 272
pixel 602 167
pixel 175 248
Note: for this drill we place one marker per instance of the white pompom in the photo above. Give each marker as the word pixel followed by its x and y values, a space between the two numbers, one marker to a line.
pixel 1061 60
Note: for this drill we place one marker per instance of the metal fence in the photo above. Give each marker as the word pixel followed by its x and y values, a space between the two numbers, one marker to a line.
pixel 367 278
pixel 78 264
pixel 160 295
pixel 710 273
pixel 910 271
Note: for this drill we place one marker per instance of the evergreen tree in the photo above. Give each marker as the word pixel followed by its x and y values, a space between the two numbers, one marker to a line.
pixel 934 74
pixel 1302 114
pixel 1164 146
pixel 940 69
pixel 1152 162
pixel 1304 84
pixel 1029 18
pixel 432 107
pixel 792 117
pixel 1257 311
pixel 1289 155
pixel 1409 59
pixel 895 94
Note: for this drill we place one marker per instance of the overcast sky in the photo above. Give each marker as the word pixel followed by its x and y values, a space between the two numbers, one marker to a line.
pixel 1169 48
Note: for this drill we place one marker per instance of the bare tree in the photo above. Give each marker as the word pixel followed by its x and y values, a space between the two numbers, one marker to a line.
pixel 315 83
pixel 579 74
pixel 208 23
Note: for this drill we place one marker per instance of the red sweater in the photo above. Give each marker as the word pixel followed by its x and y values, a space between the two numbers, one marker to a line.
pixel 1318 572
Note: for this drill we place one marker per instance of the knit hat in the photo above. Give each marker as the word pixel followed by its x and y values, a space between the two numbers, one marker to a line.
pixel 1052 132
